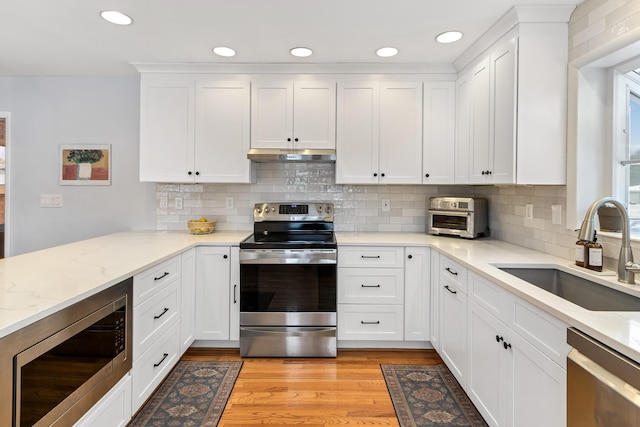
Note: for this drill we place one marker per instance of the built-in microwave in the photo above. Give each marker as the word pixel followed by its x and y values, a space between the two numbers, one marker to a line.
pixel 458 216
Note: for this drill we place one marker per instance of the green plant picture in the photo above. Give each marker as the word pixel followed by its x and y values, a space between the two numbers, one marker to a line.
pixel 85 165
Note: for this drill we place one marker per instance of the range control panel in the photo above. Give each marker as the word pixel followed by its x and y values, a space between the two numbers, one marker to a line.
pixel 307 211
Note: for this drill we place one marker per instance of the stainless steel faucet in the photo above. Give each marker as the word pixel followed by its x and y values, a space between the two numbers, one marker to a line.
pixel 626 267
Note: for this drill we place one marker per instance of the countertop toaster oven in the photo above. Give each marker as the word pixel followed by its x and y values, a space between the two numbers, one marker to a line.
pixel 458 216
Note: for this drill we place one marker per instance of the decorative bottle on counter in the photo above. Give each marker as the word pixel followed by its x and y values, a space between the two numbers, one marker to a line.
pixel 580 250
pixel 593 255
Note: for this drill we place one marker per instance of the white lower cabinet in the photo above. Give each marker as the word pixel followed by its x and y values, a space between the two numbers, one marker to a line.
pixel 453 312
pixel 383 293
pixel 212 292
pixel 512 381
pixel 149 370
pixel 113 410
pixel 188 299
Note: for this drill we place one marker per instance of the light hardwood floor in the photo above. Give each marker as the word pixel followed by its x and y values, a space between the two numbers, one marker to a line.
pixel 347 390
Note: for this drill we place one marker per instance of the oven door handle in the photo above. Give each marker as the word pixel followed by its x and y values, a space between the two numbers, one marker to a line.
pixel 289 330
pixel 449 213
pixel 288 256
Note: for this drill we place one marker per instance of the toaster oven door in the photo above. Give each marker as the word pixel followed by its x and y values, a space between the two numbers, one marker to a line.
pixel 451 223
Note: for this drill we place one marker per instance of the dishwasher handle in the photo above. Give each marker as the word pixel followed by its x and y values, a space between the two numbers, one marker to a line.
pixel 615 363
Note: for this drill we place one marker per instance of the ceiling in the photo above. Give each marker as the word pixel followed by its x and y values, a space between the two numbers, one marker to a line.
pixel 68 37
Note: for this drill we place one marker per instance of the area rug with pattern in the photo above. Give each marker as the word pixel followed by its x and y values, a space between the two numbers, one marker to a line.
pixel 194 394
pixel 429 395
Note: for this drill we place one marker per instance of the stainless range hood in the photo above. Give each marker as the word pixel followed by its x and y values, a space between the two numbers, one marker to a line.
pixel 283 155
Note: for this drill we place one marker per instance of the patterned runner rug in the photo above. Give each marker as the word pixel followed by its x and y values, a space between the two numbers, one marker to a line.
pixel 193 394
pixel 429 395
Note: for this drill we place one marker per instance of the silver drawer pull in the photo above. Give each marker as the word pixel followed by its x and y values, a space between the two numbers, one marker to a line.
pixel 370 256
pixel 455 273
pixel 450 290
pixel 370 286
pixel 377 322
pixel 161 314
pixel 164 356
pixel 166 273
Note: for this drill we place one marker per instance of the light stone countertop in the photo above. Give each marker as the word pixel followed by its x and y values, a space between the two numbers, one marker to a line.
pixel 37 284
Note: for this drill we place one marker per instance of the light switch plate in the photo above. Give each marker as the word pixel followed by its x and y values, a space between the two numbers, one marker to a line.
pixel 556 214
pixel 229 202
pixel 178 202
pixel 51 200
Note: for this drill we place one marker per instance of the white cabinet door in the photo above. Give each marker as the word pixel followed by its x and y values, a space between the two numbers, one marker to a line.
pixel 358 132
pixel 503 109
pixel 167 130
pixel 400 133
pixel 272 114
pixel 234 308
pixel 314 115
pixel 222 132
pixel 188 299
pixel 417 294
pixel 453 338
pixel 212 293
pixel 537 389
pixel 488 364
pixel 463 128
pixel 288 114
pixel 434 336
pixel 439 133
pixel 480 143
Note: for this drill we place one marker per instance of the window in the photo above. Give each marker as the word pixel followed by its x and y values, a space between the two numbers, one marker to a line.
pixel 629 151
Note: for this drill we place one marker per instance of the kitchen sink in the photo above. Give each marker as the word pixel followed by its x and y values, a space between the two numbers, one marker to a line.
pixel 578 290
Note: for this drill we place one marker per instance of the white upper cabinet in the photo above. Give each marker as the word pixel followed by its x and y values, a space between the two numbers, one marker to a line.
pixel 194 131
pixel 293 114
pixel 222 132
pixel 439 133
pixel 511 110
pixel 379 133
pixel 167 118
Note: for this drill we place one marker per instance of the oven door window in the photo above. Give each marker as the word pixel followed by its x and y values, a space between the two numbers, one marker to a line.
pixel 288 288
pixel 450 222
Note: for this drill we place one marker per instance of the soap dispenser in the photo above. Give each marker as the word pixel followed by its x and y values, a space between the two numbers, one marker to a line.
pixel 593 254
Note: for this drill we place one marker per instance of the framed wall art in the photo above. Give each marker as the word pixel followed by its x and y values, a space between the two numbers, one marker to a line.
pixel 85 164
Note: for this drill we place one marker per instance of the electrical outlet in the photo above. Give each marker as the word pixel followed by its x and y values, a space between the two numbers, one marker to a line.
pixel 178 202
pixel 163 202
pixel 229 202
pixel 386 205
pixel 556 214
pixel 528 212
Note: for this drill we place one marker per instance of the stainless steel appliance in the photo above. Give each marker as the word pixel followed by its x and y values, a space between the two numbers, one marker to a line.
pixel 458 216
pixel 288 278
pixel 603 386
pixel 57 368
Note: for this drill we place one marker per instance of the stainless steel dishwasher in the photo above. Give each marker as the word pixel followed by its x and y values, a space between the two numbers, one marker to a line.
pixel 603 386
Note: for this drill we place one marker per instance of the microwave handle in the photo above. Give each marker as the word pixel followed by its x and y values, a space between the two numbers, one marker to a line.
pixel 449 213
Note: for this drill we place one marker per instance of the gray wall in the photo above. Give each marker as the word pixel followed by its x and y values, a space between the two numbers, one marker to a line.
pixel 49 111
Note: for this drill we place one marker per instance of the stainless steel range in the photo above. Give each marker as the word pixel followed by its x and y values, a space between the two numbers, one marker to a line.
pixel 288 277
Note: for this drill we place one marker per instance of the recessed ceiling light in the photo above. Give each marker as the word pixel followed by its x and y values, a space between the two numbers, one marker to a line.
pixel 224 51
pixel 386 52
pixel 116 17
pixel 449 37
pixel 301 52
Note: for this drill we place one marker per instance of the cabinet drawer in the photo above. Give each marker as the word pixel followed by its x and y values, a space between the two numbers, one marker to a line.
pixel 149 281
pixel 542 330
pixel 370 286
pixel 454 273
pixel 490 296
pixel 113 410
pixel 370 322
pixel 153 317
pixel 151 368
pixel 364 256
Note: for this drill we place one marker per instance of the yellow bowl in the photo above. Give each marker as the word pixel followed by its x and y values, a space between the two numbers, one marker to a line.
pixel 200 227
